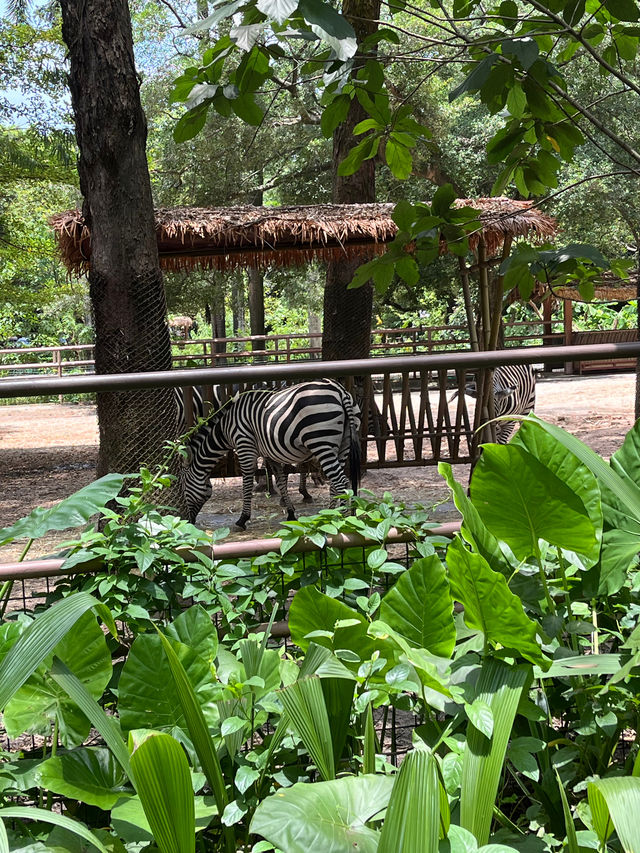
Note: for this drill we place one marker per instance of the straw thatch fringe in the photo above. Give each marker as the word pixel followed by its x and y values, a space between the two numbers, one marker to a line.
pixel 227 238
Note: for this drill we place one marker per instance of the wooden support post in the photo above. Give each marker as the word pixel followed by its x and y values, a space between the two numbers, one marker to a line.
pixel 568 332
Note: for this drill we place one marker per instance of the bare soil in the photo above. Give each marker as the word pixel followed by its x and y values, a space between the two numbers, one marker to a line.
pixel 48 451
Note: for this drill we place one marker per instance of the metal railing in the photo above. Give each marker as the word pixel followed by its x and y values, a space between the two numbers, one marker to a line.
pixel 411 416
pixel 213 352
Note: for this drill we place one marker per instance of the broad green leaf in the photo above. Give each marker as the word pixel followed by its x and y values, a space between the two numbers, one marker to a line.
pixel 615 803
pixel 40 700
pixel 398 158
pixel 163 783
pixel 327 816
pixel 334 114
pixel 46 816
pixel 489 604
pixel 419 607
pixel 107 726
pixel 194 628
pixel 71 512
pixel 312 611
pixel 305 706
pixel 130 822
pixel 479 713
pixel 39 640
pixel 147 691
pixel 500 686
pixel 540 505
pixel 325 16
pixel 90 775
pixel 567 467
pixel 197 725
pixel 191 123
pixel 369 743
pixel 412 821
pixel 473 528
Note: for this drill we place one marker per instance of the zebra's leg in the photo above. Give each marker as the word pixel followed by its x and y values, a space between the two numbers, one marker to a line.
pixel 282 486
pixel 302 488
pixel 333 471
pixel 247 457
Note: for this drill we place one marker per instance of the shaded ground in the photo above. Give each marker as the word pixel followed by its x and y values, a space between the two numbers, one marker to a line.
pixel 48 451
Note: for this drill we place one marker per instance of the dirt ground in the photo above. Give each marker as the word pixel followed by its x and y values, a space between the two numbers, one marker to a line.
pixel 48 451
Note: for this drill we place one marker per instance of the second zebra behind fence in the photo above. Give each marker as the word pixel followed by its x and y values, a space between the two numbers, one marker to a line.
pixel 313 420
pixel 514 393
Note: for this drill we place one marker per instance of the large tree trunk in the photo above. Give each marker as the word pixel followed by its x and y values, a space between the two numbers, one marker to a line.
pixel 256 307
pixel 347 313
pixel 125 281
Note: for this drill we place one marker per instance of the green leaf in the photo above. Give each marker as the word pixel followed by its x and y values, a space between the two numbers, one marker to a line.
pixel 327 816
pixel 44 815
pixel 305 705
pixel 105 725
pixel 419 607
pixel 325 16
pixel 398 158
pixel 90 775
pixel 312 611
pixel 623 10
pixel 364 150
pixel 541 505
pixel 71 512
pixel 191 123
pixel 40 700
pixel 194 718
pixel 334 114
pixel 567 467
pixel 39 640
pixel 194 628
pixel 130 822
pixel 581 665
pixel 479 713
pixel 408 271
pixel 148 697
pixel 489 604
pixel 614 803
pixel 404 215
pixel 500 686
pixel 525 50
pixel 163 783
pixel 412 820
pixel 570 827
pixel 476 79
pixel 277 10
pixel 442 200
pixel 246 108
pixel 473 529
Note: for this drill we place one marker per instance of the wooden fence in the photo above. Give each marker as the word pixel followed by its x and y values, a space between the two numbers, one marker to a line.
pixel 222 352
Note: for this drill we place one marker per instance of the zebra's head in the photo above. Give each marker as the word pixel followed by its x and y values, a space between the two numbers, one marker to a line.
pixel 206 449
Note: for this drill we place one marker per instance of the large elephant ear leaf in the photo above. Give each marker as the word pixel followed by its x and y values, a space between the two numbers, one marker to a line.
pixel 522 501
pixel 473 529
pixel 420 608
pixel 567 467
pixel 489 604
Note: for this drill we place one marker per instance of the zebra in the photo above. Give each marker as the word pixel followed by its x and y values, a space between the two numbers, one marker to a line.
pixel 313 420
pixel 514 393
pixel 262 475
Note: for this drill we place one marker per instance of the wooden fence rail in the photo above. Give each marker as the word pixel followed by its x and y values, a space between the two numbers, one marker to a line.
pixel 218 352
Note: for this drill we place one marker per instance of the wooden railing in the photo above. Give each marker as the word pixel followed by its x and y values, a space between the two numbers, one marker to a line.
pixel 223 352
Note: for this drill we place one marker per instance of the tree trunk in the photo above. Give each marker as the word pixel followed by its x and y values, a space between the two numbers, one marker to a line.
pixel 347 313
pixel 237 305
pixel 125 281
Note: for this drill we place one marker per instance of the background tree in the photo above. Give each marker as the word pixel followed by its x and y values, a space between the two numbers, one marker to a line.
pixel 125 279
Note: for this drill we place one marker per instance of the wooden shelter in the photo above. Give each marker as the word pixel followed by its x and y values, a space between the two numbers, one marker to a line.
pixel 608 288
pixel 227 238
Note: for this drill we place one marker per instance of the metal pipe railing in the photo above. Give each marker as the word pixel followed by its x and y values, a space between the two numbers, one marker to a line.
pixel 309 370
pixel 47 568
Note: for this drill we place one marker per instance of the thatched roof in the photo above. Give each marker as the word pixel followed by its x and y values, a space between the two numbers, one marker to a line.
pixel 608 288
pixel 226 238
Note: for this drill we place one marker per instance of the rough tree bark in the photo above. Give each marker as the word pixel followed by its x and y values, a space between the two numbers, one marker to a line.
pixel 347 313
pixel 255 289
pixel 125 280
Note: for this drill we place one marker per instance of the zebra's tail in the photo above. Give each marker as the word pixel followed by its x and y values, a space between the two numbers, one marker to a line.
pixel 352 411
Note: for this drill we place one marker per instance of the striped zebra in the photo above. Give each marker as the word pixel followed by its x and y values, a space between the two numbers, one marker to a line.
pixel 313 420
pixel 262 475
pixel 514 393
